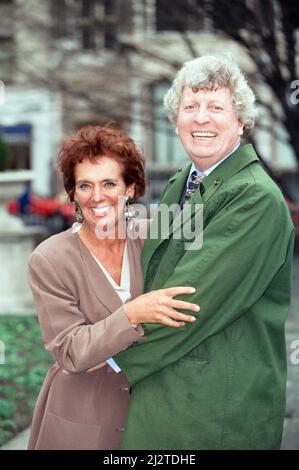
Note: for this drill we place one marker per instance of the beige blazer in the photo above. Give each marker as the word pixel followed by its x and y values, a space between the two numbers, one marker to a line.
pixel 83 402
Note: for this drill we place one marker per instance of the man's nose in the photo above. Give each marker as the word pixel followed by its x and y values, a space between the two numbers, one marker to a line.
pixel 202 115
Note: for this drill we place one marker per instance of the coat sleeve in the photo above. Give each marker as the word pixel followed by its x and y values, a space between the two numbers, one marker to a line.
pixel 244 246
pixel 76 345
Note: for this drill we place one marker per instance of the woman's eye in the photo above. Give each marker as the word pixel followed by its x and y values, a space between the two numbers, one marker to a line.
pixel 84 186
pixel 217 108
pixel 189 107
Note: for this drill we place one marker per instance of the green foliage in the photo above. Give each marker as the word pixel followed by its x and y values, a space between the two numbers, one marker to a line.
pixel 5 155
pixel 22 374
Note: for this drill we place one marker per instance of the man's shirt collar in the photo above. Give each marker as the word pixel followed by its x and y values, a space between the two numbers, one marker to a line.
pixel 209 170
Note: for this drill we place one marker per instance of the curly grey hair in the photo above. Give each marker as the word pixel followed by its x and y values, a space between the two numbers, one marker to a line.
pixel 210 72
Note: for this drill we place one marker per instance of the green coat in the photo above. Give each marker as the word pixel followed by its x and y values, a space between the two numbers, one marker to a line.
pixel 218 383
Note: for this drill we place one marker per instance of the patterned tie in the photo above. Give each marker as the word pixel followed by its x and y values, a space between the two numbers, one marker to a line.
pixel 193 185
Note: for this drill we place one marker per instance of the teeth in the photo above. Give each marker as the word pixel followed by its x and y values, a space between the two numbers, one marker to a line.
pixel 101 210
pixel 203 134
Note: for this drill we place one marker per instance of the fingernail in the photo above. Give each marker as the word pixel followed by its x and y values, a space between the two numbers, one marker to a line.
pixel 197 308
pixel 192 289
pixel 193 319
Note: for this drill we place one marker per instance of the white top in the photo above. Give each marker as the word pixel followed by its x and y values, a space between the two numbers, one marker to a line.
pixel 123 290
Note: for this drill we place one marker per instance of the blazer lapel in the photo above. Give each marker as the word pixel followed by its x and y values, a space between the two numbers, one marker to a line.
pixel 136 278
pixel 171 196
pixel 101 286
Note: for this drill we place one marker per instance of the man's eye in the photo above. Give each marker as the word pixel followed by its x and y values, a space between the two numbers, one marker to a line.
pixel 110 185
pixel 189 107
pixel 217 108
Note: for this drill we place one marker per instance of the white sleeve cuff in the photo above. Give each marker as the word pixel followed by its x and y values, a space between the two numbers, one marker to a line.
pixel 113 364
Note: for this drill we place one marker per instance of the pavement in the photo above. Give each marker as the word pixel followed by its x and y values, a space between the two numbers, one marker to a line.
pixel 291 425
pixel 290 439
pixel 19 442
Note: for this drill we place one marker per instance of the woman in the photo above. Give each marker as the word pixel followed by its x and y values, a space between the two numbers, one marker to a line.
pixel 87 286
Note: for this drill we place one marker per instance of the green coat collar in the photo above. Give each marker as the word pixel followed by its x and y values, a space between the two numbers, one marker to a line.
pixel 242 157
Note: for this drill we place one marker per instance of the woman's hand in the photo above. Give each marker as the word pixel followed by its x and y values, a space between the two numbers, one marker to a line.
pixel 159 306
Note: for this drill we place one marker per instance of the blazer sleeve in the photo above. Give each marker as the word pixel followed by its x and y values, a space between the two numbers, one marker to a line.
pixel 244 246
pixel 76 345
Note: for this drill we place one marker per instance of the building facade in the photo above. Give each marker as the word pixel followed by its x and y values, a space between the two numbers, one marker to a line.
pixel 68 63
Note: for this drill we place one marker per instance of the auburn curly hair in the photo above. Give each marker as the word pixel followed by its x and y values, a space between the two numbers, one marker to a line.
pixel 93 142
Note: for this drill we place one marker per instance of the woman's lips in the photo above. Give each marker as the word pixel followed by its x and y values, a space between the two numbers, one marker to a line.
pixel 101 211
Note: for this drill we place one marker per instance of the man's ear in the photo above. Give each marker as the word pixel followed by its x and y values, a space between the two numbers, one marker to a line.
pixel 241 129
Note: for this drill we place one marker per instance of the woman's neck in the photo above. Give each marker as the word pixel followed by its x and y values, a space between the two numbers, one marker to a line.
pixel 89 236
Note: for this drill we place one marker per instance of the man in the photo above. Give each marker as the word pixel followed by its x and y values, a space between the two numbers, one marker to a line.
pixel 218 383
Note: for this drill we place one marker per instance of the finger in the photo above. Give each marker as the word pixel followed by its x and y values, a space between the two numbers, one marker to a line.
pixel 182 317
pixel 169 322
pixel 180 304
pixel 173 291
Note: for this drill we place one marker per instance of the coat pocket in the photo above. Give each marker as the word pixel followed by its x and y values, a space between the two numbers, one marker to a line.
pixel 58 433
pixel 198 355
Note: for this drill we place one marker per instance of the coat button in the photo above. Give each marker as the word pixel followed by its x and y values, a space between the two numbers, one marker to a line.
pixel 217 182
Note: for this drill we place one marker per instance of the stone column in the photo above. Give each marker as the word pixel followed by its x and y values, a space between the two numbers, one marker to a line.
pixel 16 245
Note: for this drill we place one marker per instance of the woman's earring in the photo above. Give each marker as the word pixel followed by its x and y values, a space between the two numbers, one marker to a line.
pixel 128 210
pixel 79 213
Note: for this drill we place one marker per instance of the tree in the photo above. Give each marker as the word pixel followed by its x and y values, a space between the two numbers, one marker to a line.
pixel 266 29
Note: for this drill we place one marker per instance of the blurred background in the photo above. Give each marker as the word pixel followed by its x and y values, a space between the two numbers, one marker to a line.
pixel 68 63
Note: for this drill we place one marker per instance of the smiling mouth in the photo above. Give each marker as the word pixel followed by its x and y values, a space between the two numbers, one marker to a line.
pixel 101 211
pixel 204 135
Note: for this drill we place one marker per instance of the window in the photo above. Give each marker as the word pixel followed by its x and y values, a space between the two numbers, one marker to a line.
pixel 110 25
pixel 93 22
pixel 6 59
pixel 182 15
pixel 18 137
pixel 168 152
pixel 6 18
pixel 96 23
pixel 87 24
pixel 234 18
pixel 59 18
pixel 6 40
pixel 167 17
